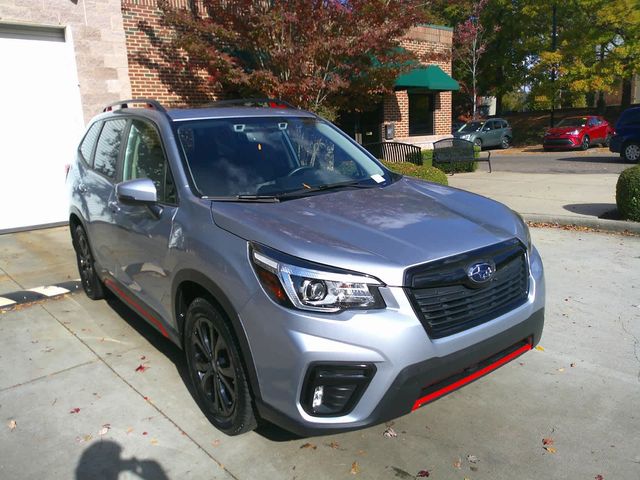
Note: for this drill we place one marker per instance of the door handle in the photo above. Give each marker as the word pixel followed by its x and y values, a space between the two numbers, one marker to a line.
pixel 115 208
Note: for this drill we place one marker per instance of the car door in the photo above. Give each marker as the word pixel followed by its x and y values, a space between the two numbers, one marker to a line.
pixel 145 260
pixel 593 130
pixel 96 190
pixel 492 136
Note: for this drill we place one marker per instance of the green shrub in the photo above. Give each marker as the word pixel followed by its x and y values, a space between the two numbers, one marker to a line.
pixel 628 194
pixel 424 172
pixel 456 167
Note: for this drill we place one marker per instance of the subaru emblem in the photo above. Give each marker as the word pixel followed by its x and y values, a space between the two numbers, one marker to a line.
pixel 481 272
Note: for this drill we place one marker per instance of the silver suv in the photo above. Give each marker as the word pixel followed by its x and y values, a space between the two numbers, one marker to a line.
pixel 307 284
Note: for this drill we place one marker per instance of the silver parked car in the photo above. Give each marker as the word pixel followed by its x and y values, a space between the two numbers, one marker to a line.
pixel 495 132
pixel 307 284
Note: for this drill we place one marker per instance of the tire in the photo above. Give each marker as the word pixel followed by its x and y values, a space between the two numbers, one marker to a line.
pixel 586 143
pixel 607 141
pixel 505 142
pixel 91 283
pixel 216 369
pixel 478 142
pixel 631 152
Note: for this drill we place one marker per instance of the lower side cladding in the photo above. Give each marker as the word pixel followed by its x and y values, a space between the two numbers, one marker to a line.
pixel 408 389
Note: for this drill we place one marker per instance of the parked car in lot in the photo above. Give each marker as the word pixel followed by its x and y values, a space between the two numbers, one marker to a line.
pixel 487 133
pixel 578 132
pixel 626 138
pixel 307 284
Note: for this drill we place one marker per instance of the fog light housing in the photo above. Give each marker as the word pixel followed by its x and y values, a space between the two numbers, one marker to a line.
pixel 331 390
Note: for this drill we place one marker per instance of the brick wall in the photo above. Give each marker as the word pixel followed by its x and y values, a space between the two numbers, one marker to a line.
pixel 98 40
pixel 156 69
pixel 433 46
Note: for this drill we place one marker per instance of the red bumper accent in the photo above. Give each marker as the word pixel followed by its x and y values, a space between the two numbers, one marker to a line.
pixel 470 378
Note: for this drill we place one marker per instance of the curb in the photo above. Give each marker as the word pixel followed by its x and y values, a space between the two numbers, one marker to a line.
pixel 11 300
pixel 616 226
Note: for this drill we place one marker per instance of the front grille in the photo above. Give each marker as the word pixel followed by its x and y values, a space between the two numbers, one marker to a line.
pixel 447 302
pixel 557 141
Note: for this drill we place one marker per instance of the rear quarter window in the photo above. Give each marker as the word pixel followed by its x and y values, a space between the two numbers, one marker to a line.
pixel 630 117
pixel 89 142
pixel 108 148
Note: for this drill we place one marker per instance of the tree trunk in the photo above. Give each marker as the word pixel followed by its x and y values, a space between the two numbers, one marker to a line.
pixel 626 92
pixel 601 104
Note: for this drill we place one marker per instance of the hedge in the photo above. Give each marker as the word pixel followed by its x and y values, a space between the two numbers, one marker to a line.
pixel 424 172
pixel 628 194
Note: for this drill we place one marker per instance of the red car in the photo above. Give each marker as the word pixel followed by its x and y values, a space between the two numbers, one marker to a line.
pixel 578 132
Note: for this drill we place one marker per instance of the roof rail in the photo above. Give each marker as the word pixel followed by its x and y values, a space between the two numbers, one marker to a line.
pixel 251 102
pixel 144 101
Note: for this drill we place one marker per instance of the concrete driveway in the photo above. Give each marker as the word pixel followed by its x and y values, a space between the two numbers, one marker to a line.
pixel 96 393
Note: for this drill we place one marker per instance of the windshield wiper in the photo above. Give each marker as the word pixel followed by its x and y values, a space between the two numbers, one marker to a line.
pixel 320 188
pixel 247 198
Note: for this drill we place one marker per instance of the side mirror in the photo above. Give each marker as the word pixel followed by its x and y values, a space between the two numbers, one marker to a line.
pixel 140 190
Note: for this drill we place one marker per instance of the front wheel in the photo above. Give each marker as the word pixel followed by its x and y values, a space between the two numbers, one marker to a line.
pixel 478 143
pixel 586 143
pixel 631 152
pixel 91 283
pixel 216 369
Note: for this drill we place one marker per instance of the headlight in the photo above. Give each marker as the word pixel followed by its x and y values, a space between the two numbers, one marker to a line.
pixel 575 132
pixel 296 283
pixel 525 229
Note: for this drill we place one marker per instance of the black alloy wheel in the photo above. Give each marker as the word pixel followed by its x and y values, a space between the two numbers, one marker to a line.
pixel 586 143
pixel 216 369
pixel 506 142
pixel 91 283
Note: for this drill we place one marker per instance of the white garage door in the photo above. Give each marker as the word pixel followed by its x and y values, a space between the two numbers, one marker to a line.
pixel 40 124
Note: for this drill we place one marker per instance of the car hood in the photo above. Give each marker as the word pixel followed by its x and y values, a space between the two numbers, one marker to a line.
pixel 379 231
pixel 562 130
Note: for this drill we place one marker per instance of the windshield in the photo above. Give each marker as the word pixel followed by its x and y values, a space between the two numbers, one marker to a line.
pixel 234 157
pixel 572 122
pixel 472 127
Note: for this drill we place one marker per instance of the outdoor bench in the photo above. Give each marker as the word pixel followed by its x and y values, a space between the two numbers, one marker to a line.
pixel 456 150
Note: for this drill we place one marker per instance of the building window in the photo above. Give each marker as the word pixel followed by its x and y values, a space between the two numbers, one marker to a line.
pixel 421 107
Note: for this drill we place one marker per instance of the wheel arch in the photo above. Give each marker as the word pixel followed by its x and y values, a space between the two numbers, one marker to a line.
pixel 189 284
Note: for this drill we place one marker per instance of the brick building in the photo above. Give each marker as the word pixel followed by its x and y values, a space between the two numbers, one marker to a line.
pixel 62 65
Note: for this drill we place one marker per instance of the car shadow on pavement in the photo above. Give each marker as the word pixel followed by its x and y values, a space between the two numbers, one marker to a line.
pixel 102 461
pixel 591 209
pixel 176 355
pixel 593 159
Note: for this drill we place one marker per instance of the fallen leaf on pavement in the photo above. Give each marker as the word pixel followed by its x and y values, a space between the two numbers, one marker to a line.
pixel 423 474
pixel 355 468
pixel 457 463
pixel 75 410
pixel 390 433
pixel 472 459
pixel 141 368
pixel 309 445
pixel 105 428
pixel 573 365
pixel 215 443
pixel 561 369
pixel 540 347
pixel 154 441
pixel 599 477
pixel 144 433
pixel 143 357
pixel 550 449
pixel 334 445
pixel 129 430
pixel 12 425
pixel 547 441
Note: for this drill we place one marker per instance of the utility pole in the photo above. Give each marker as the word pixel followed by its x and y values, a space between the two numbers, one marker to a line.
pixel 554 47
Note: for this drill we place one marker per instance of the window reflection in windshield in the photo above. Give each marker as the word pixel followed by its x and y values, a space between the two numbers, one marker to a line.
pixel 572 122
pixel 472 127
pixel 271 156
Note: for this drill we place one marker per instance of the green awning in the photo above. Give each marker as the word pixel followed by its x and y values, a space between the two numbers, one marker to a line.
pixel 430 78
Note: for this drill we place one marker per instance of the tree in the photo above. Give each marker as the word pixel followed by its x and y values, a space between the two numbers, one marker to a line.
pixel 313 53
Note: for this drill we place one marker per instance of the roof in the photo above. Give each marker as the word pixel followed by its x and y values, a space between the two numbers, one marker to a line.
pixel 431 77
pixel 184 114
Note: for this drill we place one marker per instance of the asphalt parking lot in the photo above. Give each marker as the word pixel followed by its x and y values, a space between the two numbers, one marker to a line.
pixel 88 390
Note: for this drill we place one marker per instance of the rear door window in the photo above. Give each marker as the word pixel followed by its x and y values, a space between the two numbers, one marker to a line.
pixel 630 117
pixel 108 148
pixel 89 142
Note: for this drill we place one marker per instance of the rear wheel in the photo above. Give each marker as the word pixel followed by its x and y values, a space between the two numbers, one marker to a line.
pixel 216 369
pixel 586 143
pixel 91 283
pixel 607 141
pixel 505 143
pixel 631 152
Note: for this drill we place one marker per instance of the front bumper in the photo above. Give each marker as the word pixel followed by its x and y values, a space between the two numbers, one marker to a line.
pixel 561 142
pixel 409 389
